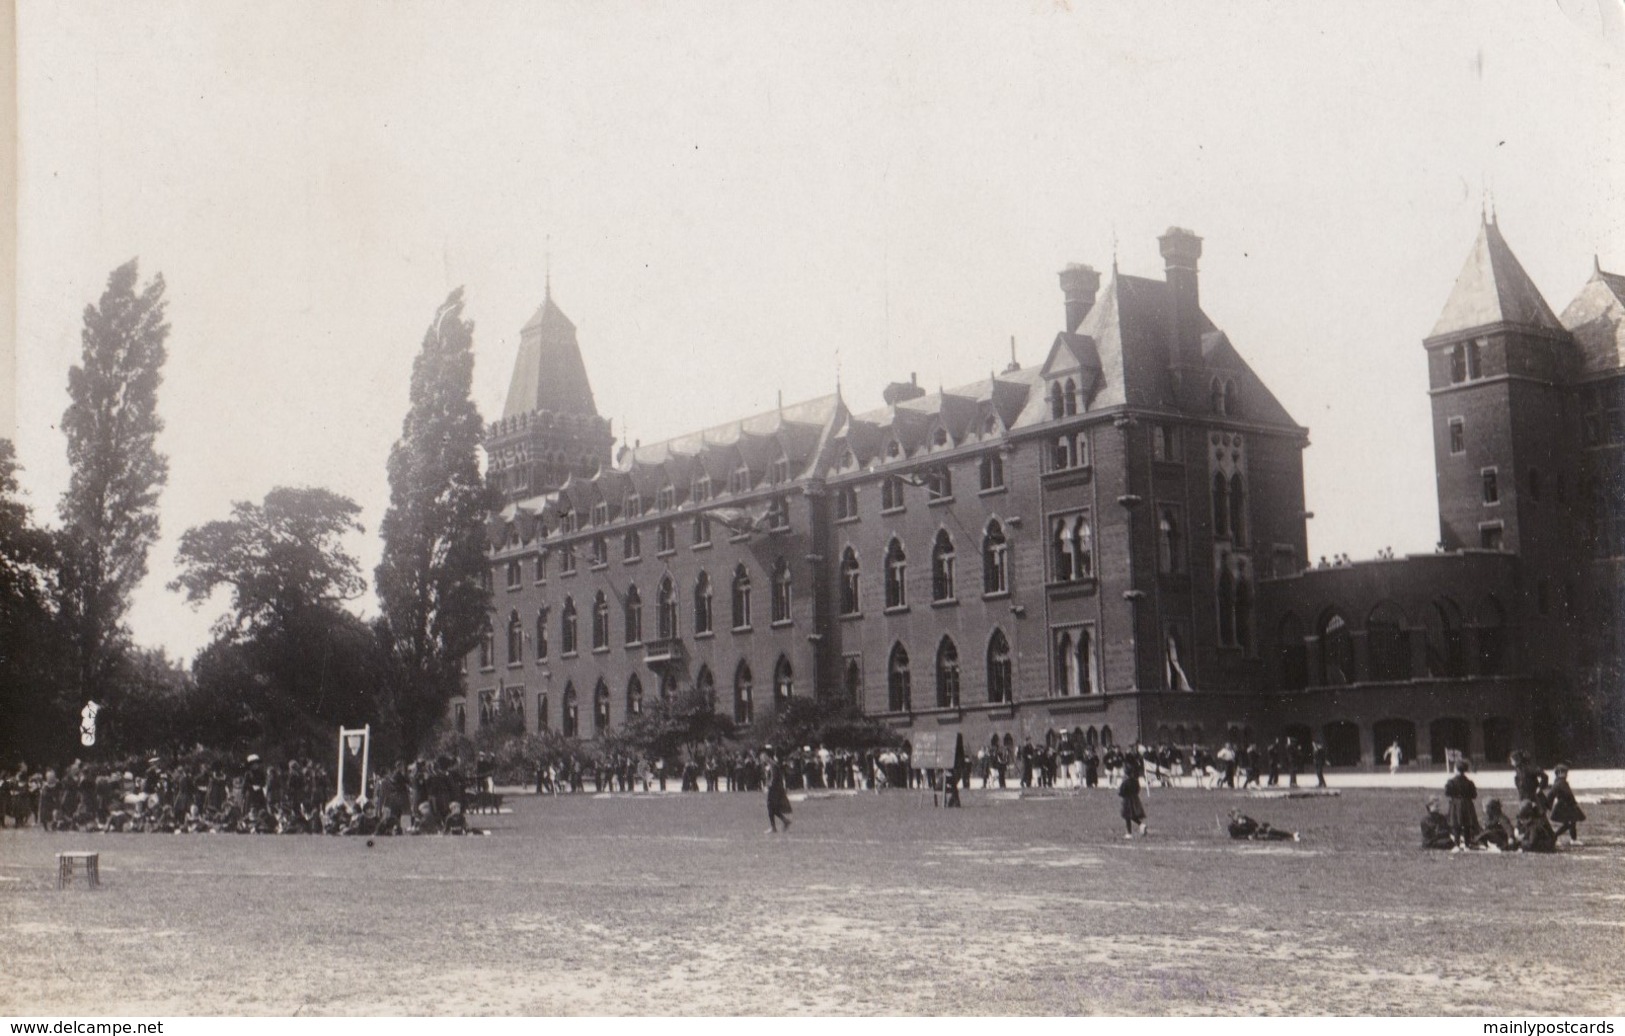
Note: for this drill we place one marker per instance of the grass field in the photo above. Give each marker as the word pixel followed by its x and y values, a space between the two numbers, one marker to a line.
pixel 872 905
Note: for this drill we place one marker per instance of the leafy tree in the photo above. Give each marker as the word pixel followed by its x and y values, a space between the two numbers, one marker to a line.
pixel 831 722
pixel 36 706
pixel 110 509
pixel 287 655
pixel 429 581
pixel 280 558
pixel 668 727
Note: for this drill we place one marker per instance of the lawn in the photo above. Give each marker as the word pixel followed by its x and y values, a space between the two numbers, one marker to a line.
pixel 683 904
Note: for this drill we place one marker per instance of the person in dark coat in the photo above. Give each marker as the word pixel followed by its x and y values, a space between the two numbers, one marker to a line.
pixel 1535 833
pixel 1245 828
pixel 1566 811
pixel 778 799
pixel 1133 808
pixel 1461 791
pixel 1499 834
pixel 1320 764
pixel 1435 828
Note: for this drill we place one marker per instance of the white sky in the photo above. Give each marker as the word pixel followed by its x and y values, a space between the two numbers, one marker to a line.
pixel 732 193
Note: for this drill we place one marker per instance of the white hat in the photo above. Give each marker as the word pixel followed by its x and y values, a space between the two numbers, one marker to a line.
pixel 253 758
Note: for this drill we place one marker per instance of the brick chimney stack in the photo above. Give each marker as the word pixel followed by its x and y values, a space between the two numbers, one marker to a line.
pixel 1078 284
pixel 1180 250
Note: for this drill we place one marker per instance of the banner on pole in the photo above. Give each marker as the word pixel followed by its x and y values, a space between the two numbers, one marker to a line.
pixel 87 723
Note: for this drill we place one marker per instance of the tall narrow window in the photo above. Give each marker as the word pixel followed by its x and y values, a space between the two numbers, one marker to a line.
pixel 1458 435
pixel 666 609
pixel 995 559
pixel 600 708
pixel 1227 607
pixel 781 591
pixel 600 622
pixel 896 575
pixel 942 567
pixel 571 720
pixel 891 494
pixel 1458 364
pixel 702 530
pixel 516 639
pixel 1170 543
pixel 1238 509
pixel 851 603
pixel 846 503
pixel 567 627
pixel 1244 615
pixel 634 615
pixel 1475 359
pixel 991 471
pixel 741 598
pixel 1069 396
pixel 1057 400
pixel 702 604
pixel 541 634
pixel 744 708
pixel 1492 489
pixel 634 696
pixel 1000 673
pixel 947 674
pixel 899 696
pixel 1086 663
pixel 939 484
pixel 1066 665
pixel 488 650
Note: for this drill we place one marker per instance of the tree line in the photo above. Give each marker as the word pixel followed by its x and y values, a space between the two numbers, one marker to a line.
pixel 288 661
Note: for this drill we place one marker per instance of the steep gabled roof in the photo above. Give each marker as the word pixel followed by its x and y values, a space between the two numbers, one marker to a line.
pixel 548 373
pixel 1493 288
pixel 1596 318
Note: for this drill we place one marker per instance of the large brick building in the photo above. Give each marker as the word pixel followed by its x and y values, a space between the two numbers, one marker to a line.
pixel 1111 543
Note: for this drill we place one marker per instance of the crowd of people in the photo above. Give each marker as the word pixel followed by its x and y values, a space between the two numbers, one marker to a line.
pixel 716 768
pixel 157 796
pixel 1547 809
pixel 1069 763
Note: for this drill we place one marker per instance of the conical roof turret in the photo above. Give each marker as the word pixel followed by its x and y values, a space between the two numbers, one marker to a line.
pixel 1493 288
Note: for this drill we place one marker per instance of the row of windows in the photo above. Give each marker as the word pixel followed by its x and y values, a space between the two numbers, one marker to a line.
pixel 512 700
pixel 944 588
pixel 1076 671
pixel 666 615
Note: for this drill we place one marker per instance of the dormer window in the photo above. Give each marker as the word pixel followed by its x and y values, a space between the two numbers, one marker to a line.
pixel 666 498
pixel 701 491
pixel 939 438
pixel 780 471
pixel 633 507
pixel 894 450
pixel 1069 396
pixel 600 514
pixel 739 481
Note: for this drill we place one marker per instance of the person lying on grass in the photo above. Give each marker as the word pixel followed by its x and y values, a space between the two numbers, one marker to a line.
pixel 1245 828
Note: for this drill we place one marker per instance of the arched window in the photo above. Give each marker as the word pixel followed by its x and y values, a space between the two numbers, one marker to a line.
pixel 1169 543
pixel 995 559
pixel 702 603
pixel 1086 663
pixel 668 683
pixel 600 622
pixel 741 598
pixel 1066 665
pixel 784 682
pixel 898 692
pixel 516 639
pixel 634 696
pixel 706 686
pixel 1336 649
pixel 488 647
pixel 744 708
pixel 1238 508
pixel 1069 396
pixel 1221 505
pixel 781 591
pixel 947 674
pixel 600 708
pixel 942 567
pixel 1447 653
pixel 567 627
pixel 1388 641
pixel 1218 401
pixel 571 720
pixel 1071 547
pixel 634 615
pixel 1061 453
pixel 1000 675
pixel 896 575
pixel 541 634
pixel 1057 400
pixel 666 609
pixel 542 722
pixel 851 603
pixel 853 683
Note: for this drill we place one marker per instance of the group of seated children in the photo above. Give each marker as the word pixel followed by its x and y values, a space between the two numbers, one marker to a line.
pixel 359 818
pixel 1530 831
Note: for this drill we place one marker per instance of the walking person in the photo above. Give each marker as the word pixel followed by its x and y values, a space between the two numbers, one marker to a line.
pixel 1133 807
pixel 1320 764
pixel 1566 811
pixel 778 799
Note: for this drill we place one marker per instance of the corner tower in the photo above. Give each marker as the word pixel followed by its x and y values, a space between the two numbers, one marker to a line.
pixel 1497 374
pixel 550 428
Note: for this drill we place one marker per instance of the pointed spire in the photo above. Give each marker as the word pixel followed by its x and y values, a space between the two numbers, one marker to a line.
pixel 1493 288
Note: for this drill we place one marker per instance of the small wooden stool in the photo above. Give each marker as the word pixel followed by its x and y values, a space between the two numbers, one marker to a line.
pixel 65 863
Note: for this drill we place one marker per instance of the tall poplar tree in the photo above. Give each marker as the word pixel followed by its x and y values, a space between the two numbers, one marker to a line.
pixel 110 510
pixel 433 599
